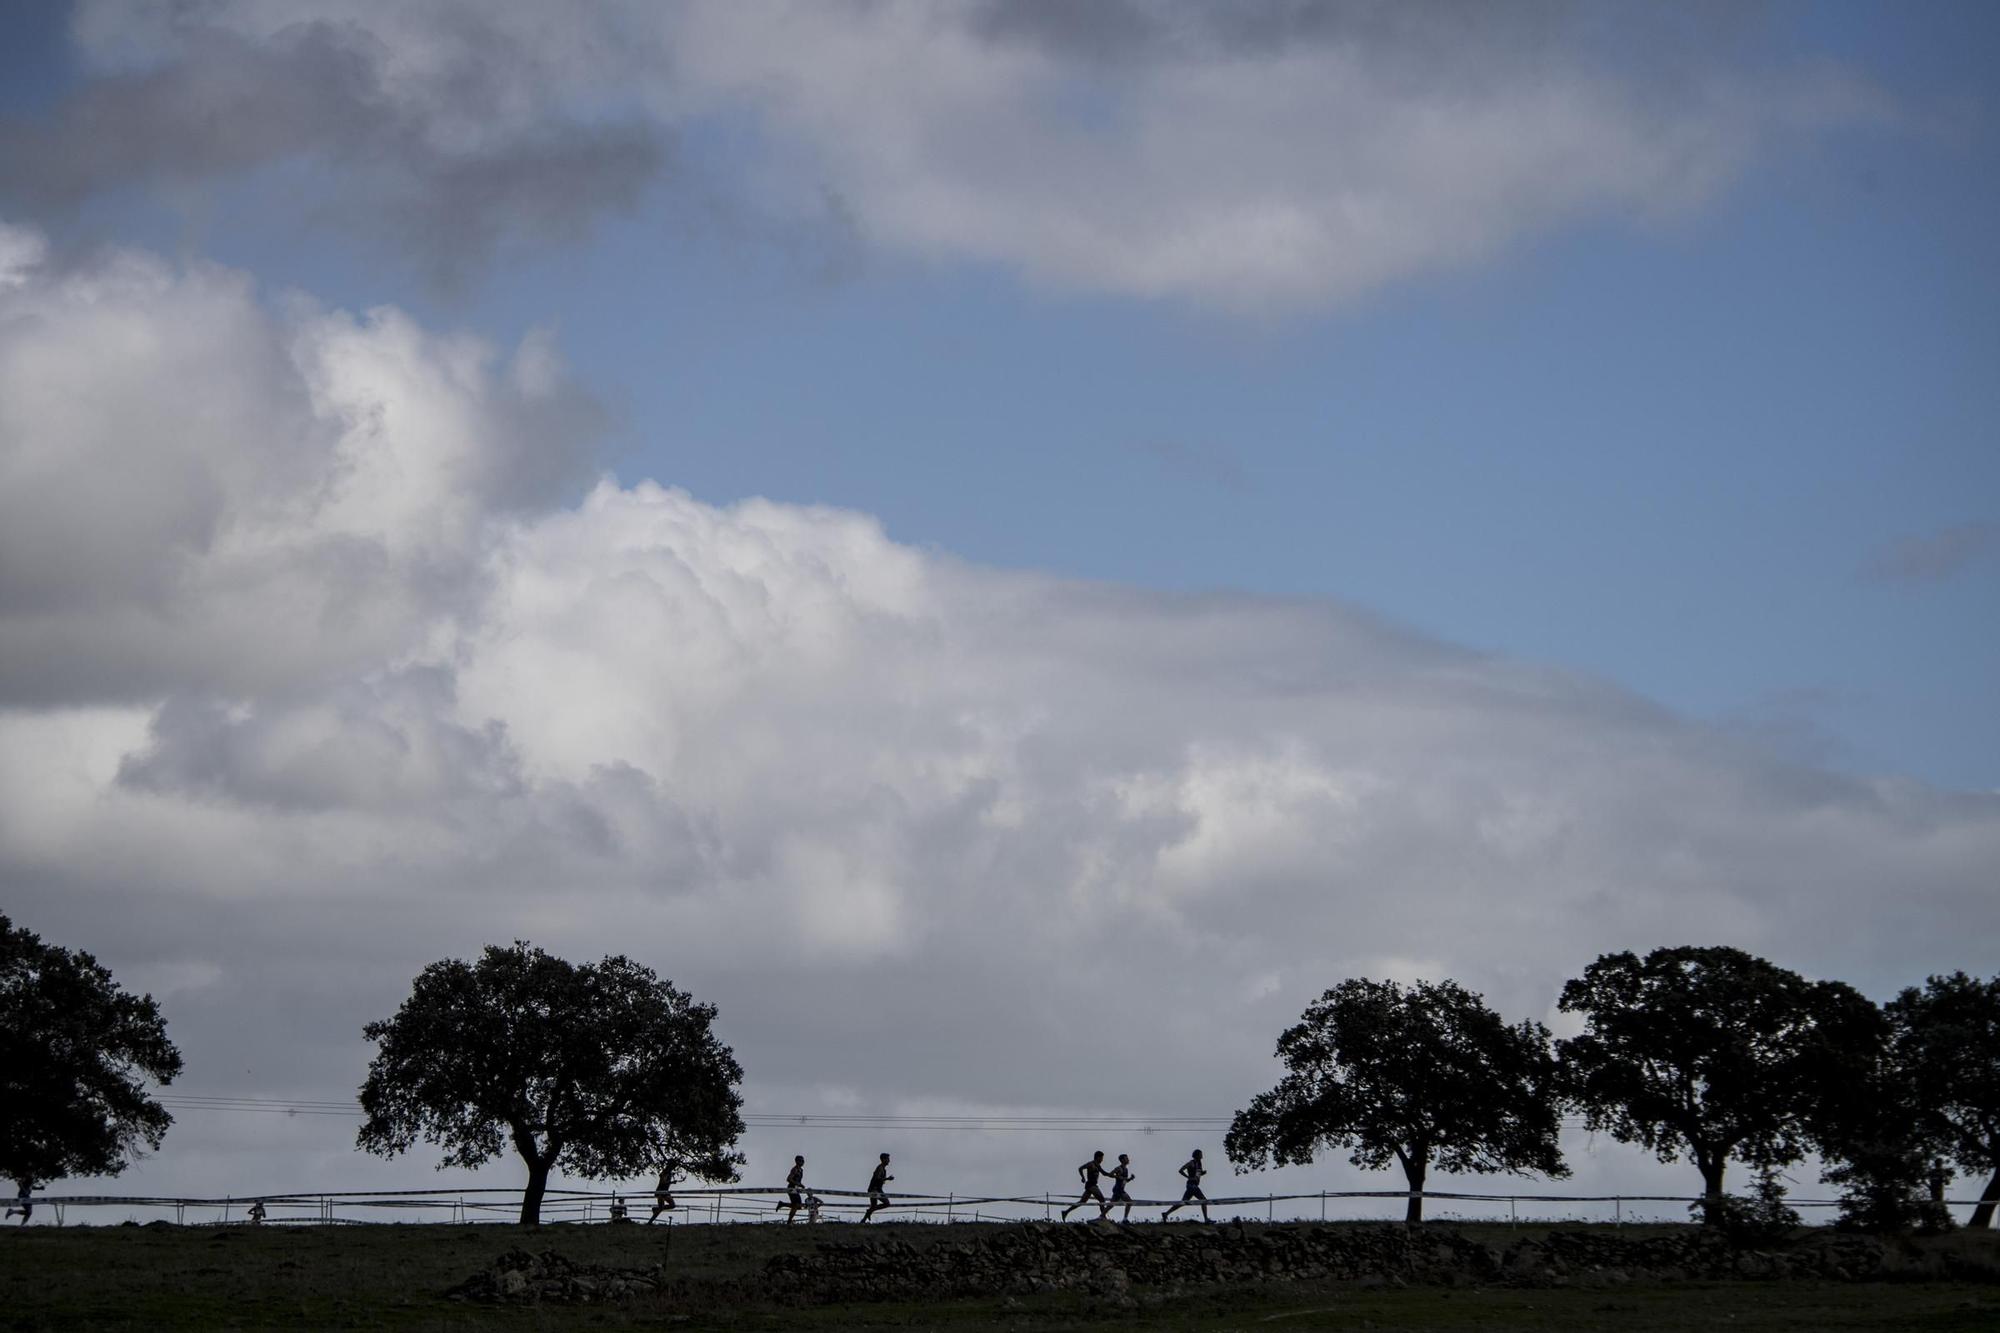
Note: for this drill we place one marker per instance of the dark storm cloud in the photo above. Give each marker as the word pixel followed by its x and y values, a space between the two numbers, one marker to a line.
pixel 440 170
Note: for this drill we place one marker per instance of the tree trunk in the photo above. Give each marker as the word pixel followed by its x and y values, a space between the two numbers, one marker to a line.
pixel 1711 1182
pixel 1982 1212
pixel 1414 1168
pixel 538 1185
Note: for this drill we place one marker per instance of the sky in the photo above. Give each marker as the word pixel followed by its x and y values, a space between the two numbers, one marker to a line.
pixel 1006 545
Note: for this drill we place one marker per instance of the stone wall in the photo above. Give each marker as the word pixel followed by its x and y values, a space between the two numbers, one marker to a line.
pixel 1111 1261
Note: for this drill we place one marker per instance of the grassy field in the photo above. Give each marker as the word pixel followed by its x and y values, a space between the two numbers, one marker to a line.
pixel 393 1277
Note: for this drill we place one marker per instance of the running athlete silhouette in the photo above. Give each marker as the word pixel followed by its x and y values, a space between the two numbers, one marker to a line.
pixel 1121 1176
pixel 1192 1172
pixel 877 1183
pixel 663 1192
pixel 24 1202
pixel 795 1190
pixel 1088 1174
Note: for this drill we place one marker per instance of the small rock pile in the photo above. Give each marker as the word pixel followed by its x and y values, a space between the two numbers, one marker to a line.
pixel 521 1278
pixel 1109 1261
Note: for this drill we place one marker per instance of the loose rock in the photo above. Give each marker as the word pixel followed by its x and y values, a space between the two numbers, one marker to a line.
pixel 521 1278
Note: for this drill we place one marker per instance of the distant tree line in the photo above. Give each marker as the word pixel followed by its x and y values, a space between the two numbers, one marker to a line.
pixel 605 1070
pixel 1710 1055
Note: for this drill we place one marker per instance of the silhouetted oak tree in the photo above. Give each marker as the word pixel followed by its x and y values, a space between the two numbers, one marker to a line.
pixel 1712 1053
pixel 1878 1143
pixel 1944 1046
pixel 75 1054
pixel 1427 1076
pixel 602 1069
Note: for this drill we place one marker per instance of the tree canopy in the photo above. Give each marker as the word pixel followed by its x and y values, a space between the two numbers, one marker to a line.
pixel 1944 1045
pixel 1879 1143
pixel 75 1054
pixel 601 1069
pixel 1712 1053
pixel 1427 1076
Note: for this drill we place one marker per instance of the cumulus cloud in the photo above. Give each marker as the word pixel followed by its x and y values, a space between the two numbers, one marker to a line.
pixel 199 491
pixel 1261 156
pixel 1278 156
pixel 315 674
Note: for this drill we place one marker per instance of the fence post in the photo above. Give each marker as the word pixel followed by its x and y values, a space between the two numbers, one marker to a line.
pixel 950 1201
pixel 1513 1216
pixel 1617 1210
pixel 1322 1205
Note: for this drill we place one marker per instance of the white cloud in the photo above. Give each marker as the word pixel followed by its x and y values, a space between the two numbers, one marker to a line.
pixel 926 831
pixel 199 493
pixel 1250 157
pixel 22 250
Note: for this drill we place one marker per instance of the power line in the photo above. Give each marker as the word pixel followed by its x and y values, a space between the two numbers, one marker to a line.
pixel 767 1119
pixel 268 1106
pixel 994 1123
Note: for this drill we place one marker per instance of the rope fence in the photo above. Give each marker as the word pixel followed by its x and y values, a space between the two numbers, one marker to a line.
pixel 736 1204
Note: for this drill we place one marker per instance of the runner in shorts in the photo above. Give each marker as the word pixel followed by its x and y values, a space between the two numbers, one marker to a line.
pixel 877 1184
pixel 1088 1174
pixel 795 1190
pixel 1121 1176
pixel 663 1192
pixel 1192 1173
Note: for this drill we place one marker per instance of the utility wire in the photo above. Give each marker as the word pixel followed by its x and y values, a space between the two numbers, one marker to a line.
pixel 995 1123
pixel 769 1120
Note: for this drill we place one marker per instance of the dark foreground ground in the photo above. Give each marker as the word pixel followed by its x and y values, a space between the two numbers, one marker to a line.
pixel 396 1277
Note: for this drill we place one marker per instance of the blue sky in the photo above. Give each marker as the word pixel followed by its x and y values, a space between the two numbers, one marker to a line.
pixel 1668 453
pixel 1339 470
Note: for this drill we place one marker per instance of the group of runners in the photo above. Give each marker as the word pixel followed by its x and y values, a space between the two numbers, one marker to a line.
pixel 798 1199
pixel 1092 1173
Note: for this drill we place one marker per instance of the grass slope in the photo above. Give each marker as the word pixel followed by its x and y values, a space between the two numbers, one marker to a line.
pixel 393 1277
